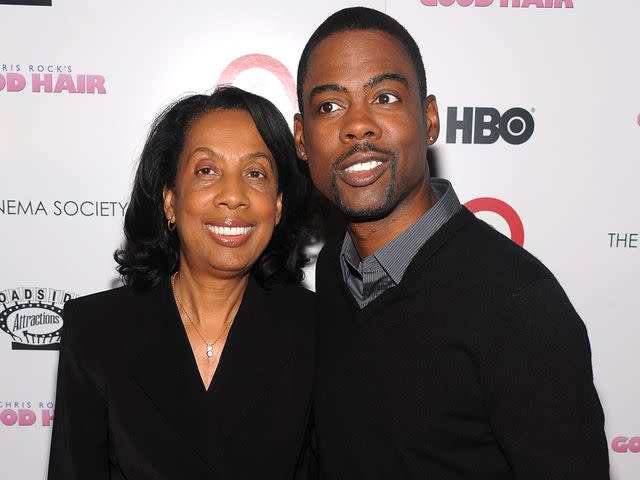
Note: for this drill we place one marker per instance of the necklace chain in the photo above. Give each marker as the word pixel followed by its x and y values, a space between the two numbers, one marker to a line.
pixel 181 307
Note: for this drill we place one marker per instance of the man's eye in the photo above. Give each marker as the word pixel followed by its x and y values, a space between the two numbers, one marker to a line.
pixel 329 107
pixel 204 171
pixel 387 98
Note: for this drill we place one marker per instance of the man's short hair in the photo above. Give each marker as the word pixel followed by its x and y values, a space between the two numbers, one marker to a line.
pixel 362 18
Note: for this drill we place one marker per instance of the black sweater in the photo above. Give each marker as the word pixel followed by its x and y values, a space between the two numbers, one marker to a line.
pixel 475 366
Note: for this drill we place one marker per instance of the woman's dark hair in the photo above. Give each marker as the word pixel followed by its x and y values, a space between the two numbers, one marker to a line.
pixel 151 251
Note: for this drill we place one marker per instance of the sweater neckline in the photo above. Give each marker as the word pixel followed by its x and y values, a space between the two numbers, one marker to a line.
pixel 408 286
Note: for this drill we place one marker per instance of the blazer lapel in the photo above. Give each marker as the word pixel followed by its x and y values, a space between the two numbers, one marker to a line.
pixel 258 347
pixel 166 370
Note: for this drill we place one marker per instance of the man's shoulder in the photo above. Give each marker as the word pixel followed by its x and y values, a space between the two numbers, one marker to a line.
pixel 484 249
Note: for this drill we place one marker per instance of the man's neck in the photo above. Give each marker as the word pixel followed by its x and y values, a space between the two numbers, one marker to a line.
pixel 369 237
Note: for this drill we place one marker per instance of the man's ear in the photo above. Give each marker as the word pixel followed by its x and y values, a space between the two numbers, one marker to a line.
pixel 432 119
pixel 298 135
pixel 168 196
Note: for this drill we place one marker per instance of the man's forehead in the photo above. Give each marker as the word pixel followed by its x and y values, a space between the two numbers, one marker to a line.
pixel 357 53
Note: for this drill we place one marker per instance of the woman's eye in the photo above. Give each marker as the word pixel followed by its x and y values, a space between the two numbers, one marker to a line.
pixel 386 98
pixel 328 107
pixel 257 174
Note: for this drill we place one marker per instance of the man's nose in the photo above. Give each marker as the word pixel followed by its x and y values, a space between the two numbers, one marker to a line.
pixel 359 124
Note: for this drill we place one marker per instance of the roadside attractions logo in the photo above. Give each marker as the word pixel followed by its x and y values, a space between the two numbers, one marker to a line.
pixel 485 125
pixel 501 3
pixel 26 413
pixel 49 78
pixel 32 317
pixel 64 208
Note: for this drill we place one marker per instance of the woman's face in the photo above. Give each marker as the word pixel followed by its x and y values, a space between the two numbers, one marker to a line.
pixel 225 203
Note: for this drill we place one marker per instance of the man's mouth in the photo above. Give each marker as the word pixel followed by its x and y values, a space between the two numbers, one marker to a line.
pixel 363 166
pixel 363 174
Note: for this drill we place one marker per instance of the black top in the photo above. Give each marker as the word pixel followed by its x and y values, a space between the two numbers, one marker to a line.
pixel 131 404
pixel 475 366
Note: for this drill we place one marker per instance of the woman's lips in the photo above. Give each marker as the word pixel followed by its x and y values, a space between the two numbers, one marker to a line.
pixel 230 236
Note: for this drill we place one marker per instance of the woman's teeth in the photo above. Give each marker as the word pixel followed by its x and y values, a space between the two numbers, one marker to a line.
pixel 230 231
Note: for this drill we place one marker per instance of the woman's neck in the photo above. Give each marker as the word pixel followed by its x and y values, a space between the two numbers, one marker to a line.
pixel 210 302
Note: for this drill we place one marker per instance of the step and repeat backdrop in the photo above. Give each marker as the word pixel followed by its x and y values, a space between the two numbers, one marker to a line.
pixel 540 110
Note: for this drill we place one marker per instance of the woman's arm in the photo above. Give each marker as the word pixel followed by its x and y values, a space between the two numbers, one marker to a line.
pixel 79 443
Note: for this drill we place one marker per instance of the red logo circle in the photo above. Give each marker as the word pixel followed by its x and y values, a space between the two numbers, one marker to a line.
pixel 488 204
pixel 265 62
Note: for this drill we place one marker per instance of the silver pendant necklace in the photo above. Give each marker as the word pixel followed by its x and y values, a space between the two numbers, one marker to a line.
pixel 209 351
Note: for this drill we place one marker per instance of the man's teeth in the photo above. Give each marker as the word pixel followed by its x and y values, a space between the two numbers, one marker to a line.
pixel 229 230
pixel 363 167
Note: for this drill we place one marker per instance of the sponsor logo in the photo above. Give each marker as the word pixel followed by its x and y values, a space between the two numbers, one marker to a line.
pixel 32 317
pixel 485 125
pixel 623 240
pixel 36 3
pixel 63 208
pixel 506 211
pixel 625 444
pixel 264 62
pixel 49 78
pixel 502 3
pixel 26 414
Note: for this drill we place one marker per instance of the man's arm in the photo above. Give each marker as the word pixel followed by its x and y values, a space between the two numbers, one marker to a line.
pixel 543 406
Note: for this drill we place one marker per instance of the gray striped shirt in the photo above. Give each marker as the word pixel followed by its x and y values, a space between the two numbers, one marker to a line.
pixel 383 269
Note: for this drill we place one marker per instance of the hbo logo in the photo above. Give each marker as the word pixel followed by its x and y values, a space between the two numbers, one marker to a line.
pixel 485 125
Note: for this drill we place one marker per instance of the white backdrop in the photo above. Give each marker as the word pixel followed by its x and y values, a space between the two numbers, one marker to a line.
pixel 67 159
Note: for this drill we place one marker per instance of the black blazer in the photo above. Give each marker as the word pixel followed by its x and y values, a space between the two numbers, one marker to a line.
pixel 131 405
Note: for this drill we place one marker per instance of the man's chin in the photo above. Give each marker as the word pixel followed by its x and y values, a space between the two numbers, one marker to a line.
pixel 369 213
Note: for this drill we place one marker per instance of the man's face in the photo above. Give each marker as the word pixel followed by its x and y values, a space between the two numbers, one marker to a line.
pixel 365 129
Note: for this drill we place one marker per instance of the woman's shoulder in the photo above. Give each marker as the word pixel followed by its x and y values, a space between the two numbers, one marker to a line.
pixel 100 313
pixel 103 302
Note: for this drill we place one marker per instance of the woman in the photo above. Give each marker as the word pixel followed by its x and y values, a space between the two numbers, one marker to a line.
pixel 201 366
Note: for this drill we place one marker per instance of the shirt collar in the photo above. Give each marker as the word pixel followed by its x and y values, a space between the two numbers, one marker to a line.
pixel 396 255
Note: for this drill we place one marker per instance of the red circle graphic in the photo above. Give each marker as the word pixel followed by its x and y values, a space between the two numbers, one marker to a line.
pixel 266 62
pixel 506 211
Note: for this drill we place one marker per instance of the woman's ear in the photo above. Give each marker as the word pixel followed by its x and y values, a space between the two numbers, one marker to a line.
pixel 278 208
pixel 168 196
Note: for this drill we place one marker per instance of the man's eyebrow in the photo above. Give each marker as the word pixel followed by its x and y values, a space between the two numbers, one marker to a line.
pixel 373 81
pixel 327 87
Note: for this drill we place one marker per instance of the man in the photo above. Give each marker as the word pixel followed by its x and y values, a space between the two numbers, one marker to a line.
pixel 445 351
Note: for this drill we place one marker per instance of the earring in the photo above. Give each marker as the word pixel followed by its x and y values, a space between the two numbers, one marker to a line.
pixel 303 154
pixel 171 225
pixel 431 139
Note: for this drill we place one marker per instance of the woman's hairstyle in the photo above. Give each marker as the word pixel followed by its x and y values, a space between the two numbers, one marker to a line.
pixel 151 251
